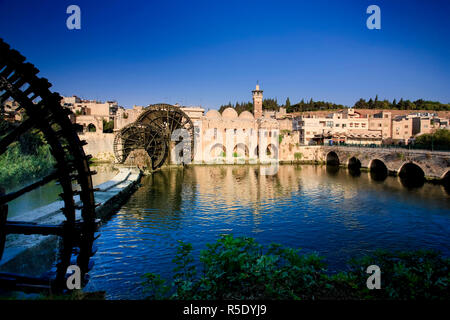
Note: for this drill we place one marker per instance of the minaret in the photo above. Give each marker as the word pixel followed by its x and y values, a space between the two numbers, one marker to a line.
pixel 257 102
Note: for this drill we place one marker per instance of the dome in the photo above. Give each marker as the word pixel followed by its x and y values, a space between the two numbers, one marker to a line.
pixel 229 113
pixel 246 115
pixel 212 114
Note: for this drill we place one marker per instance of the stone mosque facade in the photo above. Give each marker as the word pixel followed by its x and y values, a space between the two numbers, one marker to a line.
pixel 231 138
pixel 227 137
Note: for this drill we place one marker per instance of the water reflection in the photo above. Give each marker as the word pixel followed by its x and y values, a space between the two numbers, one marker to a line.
pixel 378 175
pixel 332 169
pixel 318 208
pixel 354 171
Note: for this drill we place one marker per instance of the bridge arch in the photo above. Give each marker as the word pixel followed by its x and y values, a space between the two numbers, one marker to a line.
pixel 377 165
pixel 411 174
pixel 378 169
pixel 446 175
pixel 332 159
pixel 446 181
pixel 354 163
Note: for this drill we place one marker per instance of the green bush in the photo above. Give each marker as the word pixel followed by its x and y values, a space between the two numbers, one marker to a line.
pixel 298 155
pixel 240 268
pixel 405 275
pixel 108 126
pixel 440 139
pixel 25 160
pixel 400 155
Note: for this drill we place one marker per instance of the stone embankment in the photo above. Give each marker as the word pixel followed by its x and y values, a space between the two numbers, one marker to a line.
pixel 33 254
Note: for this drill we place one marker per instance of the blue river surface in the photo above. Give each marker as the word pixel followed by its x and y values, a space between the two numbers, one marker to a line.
pixel 335 213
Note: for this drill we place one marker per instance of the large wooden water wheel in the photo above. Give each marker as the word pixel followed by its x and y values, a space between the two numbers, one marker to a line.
pixel 154 130
pixel 43 113
pixel 139 136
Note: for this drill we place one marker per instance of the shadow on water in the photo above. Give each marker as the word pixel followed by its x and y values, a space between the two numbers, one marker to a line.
pixel 354 167
pixel 378 175
pixel 354 172
pixel 333 170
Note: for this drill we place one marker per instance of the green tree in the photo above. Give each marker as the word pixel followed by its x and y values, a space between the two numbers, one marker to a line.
pixel 437 140
pixel 288 103
pixel 361 104
pixel 25 160
pixel 271 104
pixel 108 126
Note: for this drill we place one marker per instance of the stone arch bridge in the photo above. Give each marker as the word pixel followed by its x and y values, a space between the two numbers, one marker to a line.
pixel 434 164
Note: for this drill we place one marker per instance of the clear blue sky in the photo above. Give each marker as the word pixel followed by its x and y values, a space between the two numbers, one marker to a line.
pixel 211 52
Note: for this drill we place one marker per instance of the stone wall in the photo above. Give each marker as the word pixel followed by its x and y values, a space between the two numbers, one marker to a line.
pixel 291 150
pixel 99 145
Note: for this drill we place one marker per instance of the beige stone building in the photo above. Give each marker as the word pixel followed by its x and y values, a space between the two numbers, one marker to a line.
pixel 346 126
pixel 383 122
pixel 231 138
pixel 402 130
pixel 89 114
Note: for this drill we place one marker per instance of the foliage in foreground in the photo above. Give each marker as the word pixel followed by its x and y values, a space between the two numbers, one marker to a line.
pixel 240 268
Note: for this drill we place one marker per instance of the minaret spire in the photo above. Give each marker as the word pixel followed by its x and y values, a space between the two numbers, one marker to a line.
pixel 257 101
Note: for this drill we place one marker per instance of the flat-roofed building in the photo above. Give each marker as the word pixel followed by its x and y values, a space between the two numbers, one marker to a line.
pixel 402 130
pixel 382 121
pixel 335 128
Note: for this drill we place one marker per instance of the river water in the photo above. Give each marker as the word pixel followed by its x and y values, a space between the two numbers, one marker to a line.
pixel 331 212
pixel 49 192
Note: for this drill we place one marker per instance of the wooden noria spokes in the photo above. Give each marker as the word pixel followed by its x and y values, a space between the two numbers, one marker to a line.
pixel 43 112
